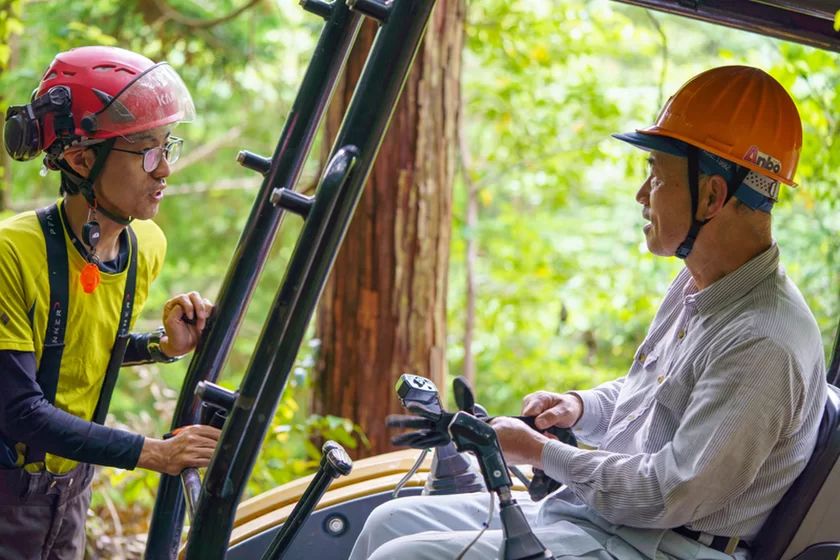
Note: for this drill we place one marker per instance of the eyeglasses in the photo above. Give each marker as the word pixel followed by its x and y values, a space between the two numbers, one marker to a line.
pixel 153 156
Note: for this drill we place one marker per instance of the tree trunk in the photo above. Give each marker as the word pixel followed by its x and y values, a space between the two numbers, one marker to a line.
pixel 472 248
pixel 383 311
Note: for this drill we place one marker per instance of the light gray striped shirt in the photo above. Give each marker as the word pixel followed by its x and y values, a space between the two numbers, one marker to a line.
pixel 717 416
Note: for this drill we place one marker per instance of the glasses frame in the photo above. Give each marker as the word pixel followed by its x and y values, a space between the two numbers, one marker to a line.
pixel 161 152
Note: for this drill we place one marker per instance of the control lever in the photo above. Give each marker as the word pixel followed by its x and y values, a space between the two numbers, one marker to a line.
pixel 420 394
pixel 451 472
pixel 475 435
pixel 464 397
pixel 334 463
pixel 478 437
pixel 541 485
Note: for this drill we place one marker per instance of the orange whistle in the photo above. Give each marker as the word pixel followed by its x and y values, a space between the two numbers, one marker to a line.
pixel 90 278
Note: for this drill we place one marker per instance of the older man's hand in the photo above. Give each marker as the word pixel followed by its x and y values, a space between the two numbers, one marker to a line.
pixel 520 444
pixel 553 409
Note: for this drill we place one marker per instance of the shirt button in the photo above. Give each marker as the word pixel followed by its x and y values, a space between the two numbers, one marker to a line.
pixel 631 417
pixel 660 379
pixel 642 357
pixel 681 334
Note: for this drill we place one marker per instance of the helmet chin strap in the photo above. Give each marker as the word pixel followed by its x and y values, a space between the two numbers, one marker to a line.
pixel 694 188
pixel 85 185
pixel 101 209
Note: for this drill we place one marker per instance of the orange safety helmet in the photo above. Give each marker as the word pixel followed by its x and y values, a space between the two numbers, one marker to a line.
pixel 739 113
pixel 729 115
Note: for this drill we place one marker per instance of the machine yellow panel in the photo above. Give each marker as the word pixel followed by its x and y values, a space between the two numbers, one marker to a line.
pixel 272 518
pixel 398 462
pixel 369 476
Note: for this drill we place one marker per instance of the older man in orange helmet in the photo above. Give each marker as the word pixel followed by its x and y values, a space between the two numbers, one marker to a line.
pixel 719 411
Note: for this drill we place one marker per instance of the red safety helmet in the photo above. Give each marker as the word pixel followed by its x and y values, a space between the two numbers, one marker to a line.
pixel 94 94
pixel 115 92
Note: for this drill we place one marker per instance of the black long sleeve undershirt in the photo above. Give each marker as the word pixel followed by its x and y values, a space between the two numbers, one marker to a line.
pixel 27 417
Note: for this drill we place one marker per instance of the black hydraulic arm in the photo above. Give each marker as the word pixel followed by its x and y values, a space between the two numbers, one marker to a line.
pixel 281 172
pixel 402 25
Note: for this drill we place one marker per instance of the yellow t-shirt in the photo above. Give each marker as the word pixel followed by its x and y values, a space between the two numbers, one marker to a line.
pixel 92 320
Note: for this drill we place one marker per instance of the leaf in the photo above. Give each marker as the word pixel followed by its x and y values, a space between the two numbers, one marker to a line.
pixel 14 27
pixel 540 54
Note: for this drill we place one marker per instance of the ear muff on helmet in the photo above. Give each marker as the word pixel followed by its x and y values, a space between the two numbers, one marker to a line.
pixel 23 131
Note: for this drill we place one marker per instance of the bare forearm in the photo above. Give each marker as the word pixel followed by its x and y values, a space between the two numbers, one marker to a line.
pixel 153 455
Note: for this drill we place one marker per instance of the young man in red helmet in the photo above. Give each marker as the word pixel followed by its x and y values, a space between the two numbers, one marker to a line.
pixel 719 412
pixel 73 278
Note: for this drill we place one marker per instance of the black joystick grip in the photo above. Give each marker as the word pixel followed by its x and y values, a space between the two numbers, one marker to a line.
pixel 419 395
pixel 337 459
pixel 541 484
pixel 334 463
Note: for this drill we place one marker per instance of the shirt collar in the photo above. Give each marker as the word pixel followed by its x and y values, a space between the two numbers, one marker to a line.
pixel 734 285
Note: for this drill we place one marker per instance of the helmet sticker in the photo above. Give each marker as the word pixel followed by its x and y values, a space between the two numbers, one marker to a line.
pixel 768 162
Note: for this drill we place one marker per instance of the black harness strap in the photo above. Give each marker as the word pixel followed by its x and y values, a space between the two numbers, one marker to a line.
pixel 121 341
pixel 59 275
pixel 57 268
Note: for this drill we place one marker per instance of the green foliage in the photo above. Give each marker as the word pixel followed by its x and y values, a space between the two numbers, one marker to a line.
pixel 10 24
pixel 566 287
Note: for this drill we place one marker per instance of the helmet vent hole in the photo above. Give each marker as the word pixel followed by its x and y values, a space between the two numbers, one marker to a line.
pixel 51 76
pixel 124 70
pixel 104 67
pixel 69 73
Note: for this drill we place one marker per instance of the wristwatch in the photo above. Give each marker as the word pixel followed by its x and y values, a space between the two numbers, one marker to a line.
pixel 153 346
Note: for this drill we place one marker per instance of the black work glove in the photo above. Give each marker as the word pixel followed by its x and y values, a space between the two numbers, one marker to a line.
pixel 431 428
pixel 421 439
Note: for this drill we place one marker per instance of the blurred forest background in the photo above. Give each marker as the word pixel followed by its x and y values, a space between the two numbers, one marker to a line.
pixel 564 287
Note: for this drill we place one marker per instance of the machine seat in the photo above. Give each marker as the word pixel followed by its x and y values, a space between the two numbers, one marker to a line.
pixel 803 526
